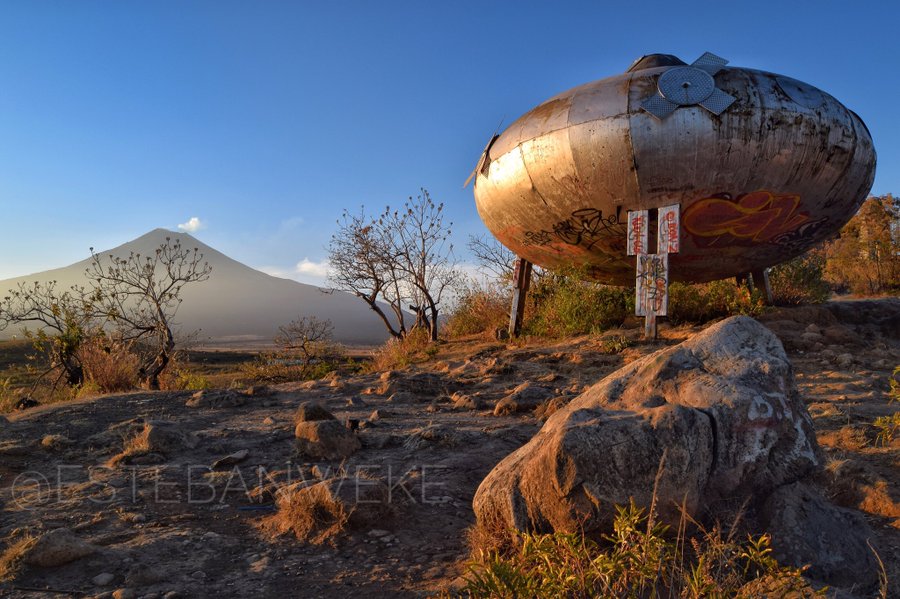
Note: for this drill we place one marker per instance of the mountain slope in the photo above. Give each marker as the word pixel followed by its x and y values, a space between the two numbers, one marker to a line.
pixel 238 303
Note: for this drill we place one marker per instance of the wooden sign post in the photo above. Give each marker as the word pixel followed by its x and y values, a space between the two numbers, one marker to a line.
pixel 652 277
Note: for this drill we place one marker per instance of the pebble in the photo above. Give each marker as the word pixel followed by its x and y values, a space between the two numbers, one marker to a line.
pixel 103 579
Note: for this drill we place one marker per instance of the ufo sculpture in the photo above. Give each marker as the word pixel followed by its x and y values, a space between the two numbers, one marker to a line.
pixel 758 168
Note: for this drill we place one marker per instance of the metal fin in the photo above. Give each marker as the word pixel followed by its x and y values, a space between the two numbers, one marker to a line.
pixel 718 102
pixel 710 63
pixel 483 161
pixel 472 174
pixel 659 106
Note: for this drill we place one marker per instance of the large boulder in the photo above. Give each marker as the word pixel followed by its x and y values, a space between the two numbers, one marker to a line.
pixel 717 417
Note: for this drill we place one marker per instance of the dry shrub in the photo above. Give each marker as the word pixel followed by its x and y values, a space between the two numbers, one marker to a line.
pixel 137 444
pixel 18 544
pixel 480 309
pixel 310 512
pixel 398 353
pixel 109 364
pixel 320 512
pixel 490 535
pixel 8 396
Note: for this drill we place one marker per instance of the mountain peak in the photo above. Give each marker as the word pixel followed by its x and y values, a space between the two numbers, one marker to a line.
pixel 236 302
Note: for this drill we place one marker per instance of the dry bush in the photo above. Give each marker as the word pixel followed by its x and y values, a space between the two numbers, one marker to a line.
pixel 8 396
pixel 137 444
pixel 490 536
pixel 320 512
pixel 109 364
pixel 17 547
pixel 311 515
pixel 480 309
pixel 398 353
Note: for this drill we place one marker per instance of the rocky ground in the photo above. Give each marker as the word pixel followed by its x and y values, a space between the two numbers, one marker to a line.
pixel 173 495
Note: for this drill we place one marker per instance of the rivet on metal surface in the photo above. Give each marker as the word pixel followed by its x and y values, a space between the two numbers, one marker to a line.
pixel 689 86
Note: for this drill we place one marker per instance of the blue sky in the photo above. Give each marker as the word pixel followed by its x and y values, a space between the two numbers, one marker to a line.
pixel 265 119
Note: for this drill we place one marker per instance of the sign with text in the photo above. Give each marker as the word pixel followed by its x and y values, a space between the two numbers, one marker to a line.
pixel 668 238
pixel 637 232
pixel 652 284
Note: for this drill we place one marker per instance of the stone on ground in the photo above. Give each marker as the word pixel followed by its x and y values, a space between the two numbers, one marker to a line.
pixel 325 440
pixel 719 414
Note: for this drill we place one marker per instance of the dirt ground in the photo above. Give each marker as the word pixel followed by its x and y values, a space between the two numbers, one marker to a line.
pixel 168 525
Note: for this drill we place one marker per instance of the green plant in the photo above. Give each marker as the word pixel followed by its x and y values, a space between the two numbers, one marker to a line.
pixel 801 280
pixel 614 344
pixel 886 428
pixel 564 303
pixel 704 302
pixel 637 560
pixel 190 381
pixel 279 367
pixel 894 393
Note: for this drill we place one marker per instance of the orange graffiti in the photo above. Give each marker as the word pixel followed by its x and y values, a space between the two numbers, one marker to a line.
pixel 760 216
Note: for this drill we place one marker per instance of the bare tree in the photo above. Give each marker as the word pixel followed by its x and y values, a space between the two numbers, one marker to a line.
pixel 361 264
pixel 401 258
pixel 62 320
pixel 140 295
pixel 419 241
pixel 492 256
pixel 307 336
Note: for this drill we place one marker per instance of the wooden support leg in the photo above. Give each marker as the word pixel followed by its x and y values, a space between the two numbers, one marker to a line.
pixel 522 278
pixel 761 282
pixel 650 331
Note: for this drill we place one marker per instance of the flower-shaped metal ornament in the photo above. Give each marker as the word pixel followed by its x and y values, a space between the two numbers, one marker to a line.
pixel 689 86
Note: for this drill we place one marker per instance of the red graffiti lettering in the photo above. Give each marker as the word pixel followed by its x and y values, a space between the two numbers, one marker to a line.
pixel 759 216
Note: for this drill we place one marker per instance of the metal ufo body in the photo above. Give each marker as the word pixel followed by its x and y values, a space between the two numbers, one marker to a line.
pixel 763 167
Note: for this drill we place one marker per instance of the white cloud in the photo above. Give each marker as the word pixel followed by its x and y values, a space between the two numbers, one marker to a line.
pixel 305 271
pixel 193 224
pixel 315 269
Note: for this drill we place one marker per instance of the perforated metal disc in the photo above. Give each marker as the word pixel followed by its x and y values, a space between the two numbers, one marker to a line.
pixel 686 85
